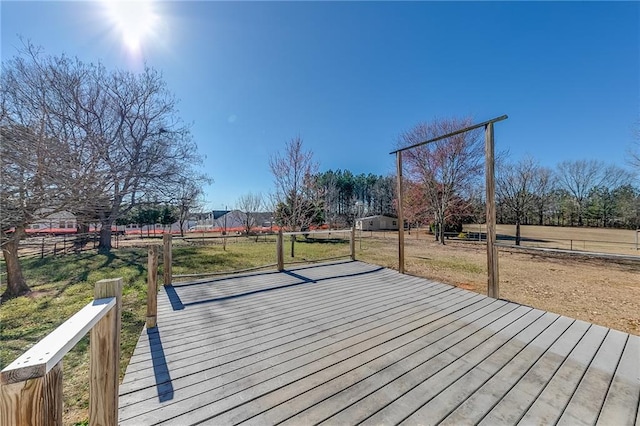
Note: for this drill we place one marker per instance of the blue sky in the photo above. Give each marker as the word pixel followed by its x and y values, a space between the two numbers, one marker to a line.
pixel 349 77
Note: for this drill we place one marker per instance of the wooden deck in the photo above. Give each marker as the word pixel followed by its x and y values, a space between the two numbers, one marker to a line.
pixel 348 342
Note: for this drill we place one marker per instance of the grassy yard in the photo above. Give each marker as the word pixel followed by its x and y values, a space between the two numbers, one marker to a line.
pixel 596 291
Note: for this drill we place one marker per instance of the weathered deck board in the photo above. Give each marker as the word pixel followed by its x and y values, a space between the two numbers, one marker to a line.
pixel 348 342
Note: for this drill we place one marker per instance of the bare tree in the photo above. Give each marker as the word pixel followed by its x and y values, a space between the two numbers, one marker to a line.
pixel 187 195
pixel 579 178
pixel 297 201
pixel 517 186
pixel 447 169
pixel 543 197
pixel 79 138
pixel 44 166
pixel 634 151
pixel 30 185
pixel 250 204
pixel 145 147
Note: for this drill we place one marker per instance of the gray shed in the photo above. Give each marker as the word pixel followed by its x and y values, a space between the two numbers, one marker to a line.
pixel 377 223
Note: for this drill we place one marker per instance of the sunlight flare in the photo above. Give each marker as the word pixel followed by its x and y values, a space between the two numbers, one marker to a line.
pixel 135 22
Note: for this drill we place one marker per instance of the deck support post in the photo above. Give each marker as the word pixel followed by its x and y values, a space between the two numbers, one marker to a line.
pixel 167 255
pixel 104 368
pixel 493 283
pixel 279 251
pixel 152 287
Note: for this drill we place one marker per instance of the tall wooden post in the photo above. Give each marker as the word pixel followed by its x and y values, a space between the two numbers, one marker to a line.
pixel 352 241
pixel 152 287
pixel 279 251
pixel 167 255
pixel 493 283
pixel 104 367
pixel 400 214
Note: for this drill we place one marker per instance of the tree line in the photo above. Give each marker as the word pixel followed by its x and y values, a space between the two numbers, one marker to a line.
pixel 444 187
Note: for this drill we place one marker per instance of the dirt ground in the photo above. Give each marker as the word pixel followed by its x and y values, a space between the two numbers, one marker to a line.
pixel 600 291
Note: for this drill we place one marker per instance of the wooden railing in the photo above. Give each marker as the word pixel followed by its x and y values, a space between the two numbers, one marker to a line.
pixel 31 386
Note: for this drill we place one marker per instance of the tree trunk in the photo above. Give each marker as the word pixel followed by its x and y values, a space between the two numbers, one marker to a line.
pixel 517 231
pixel 16 285
pixel 442 232
pixel 293 242
pixel 105 236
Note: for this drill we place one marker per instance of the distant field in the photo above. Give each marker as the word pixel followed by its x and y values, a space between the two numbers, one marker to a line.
pixel 605 240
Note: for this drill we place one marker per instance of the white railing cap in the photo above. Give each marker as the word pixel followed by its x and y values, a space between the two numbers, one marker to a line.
pixel 44 355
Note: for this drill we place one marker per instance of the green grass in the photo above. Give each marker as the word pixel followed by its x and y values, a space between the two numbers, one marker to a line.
pixel 248 254
pixel 62 285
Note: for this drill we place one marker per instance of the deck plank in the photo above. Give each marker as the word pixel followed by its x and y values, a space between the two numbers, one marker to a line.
pixel 348 342
pixel 481 389
pixel 224 389
pixel 622 404
pixel 306 349
pixel 584 406
pixel 551 403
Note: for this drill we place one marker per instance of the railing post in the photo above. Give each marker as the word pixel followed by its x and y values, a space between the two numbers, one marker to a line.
pixel 279 251
pixel 152 287
pixel 35 401
pixel 104 368
pixel 352 241
pixel 167 258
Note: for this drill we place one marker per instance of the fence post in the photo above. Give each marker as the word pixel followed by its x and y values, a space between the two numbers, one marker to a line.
pixel 279 251
pixel 152 286
pixel 167 258
pixel 104 368
pixel 352 242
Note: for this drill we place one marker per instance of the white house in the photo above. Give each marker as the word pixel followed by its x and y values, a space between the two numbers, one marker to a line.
pixel 377 223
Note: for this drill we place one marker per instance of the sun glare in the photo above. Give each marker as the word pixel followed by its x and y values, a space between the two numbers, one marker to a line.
pixel 134 21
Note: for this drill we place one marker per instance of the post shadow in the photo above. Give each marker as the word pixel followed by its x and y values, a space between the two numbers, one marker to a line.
pixel 176 303
pixel 164 386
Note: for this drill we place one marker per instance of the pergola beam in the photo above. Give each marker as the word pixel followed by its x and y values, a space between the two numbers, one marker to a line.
pixel 448 135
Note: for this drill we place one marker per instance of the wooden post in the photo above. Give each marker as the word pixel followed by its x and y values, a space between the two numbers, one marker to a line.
pixel 293 245
pixel 279 251
pixel 104 367
pixel 352 242
pixel 400 214
pixel 167 258
pixel 152 286
pixel 35 401
pixel 493 282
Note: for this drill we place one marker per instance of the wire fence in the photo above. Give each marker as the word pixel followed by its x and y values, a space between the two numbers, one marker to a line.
pixel 612 245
